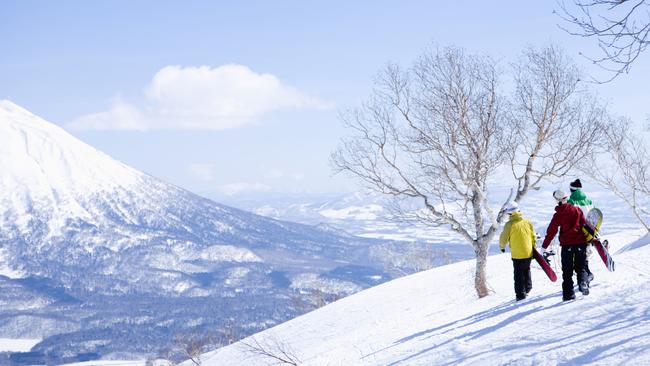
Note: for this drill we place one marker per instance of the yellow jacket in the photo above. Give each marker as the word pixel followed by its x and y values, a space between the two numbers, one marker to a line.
pixel 520 234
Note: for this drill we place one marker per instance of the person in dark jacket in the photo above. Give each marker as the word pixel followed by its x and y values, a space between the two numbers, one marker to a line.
pixel 568 219
pixel 579 198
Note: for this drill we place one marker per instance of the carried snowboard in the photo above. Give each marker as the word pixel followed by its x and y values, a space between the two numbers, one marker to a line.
pixel 601 248
pixel 594 219
pixel 544 264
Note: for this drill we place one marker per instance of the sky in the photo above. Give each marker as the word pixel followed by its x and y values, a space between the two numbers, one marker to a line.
pixel 229 99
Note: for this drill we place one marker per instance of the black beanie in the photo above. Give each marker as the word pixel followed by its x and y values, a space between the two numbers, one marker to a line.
pixel 576 184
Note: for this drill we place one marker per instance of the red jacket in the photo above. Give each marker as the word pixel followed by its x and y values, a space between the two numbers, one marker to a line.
pixel 569 220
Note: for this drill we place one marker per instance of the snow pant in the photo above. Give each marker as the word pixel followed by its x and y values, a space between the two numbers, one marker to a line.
pixel 573 259
pixel 523 282
pixel 587 271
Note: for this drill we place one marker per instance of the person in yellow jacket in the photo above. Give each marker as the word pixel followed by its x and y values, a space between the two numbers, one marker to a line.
pixel 520 234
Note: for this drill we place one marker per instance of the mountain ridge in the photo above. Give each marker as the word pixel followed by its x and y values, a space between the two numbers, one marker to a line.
pixel 75 223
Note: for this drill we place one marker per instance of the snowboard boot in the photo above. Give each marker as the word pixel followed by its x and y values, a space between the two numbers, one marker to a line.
pixel 584 287
pixel 590 277
pixel 568 297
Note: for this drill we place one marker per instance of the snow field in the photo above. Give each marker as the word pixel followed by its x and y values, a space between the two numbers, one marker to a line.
pixel 434 318
pixel 17 345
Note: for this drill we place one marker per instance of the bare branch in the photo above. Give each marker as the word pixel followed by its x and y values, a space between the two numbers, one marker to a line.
pixel 193 345
pixel 557 124
pixel 621 28
pixel 272 348
pixel 626 168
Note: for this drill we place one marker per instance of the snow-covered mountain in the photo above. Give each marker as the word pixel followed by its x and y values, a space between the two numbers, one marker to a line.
pixel 434 318
pixel 88 244
pixel 55 188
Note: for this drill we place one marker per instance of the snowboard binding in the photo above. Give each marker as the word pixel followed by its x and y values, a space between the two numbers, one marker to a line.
pixel 547 255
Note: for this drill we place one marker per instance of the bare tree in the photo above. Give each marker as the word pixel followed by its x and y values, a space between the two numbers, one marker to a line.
pixel 621 28
pixel 416 260
pixel 272 348
pixel 556 124
pixel 193 345
pixel 625 168
pixel 228 334
pixel 434 133
pixel 408 258
pixel 437 132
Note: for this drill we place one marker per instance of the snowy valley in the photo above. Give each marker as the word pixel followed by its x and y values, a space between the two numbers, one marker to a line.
pixel 100 260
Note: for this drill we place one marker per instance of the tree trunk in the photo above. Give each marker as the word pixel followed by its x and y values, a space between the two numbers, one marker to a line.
pixel 480 277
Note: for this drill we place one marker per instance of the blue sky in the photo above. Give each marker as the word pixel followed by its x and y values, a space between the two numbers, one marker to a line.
pixel 132 78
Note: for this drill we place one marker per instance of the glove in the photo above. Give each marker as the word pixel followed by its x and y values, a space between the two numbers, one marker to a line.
pixel 503 250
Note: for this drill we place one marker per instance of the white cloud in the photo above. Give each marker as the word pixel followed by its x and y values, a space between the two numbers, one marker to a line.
pixel 203 98
pixel 237 188
pixel 121 116
pixel 202 172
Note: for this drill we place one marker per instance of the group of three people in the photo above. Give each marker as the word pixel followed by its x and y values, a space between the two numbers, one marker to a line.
pixel 569 219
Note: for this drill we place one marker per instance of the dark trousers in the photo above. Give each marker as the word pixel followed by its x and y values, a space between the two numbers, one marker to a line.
pixel 587 270
pixel 523 283
pixel 573 259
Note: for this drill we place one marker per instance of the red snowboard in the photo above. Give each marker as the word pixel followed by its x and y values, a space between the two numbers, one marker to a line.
pixel 604 254
pixel 545 266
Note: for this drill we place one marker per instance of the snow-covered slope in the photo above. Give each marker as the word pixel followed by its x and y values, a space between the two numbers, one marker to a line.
pixel 91 238
pixel 434 318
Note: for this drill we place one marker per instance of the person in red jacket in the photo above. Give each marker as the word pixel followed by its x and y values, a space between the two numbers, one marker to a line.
pixel 568 219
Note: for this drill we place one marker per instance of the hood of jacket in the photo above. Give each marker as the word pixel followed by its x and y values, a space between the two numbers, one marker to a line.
pixel 516 216
pixel 520 235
